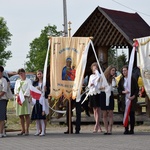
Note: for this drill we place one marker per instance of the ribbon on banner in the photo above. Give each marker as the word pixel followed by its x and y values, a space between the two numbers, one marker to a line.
pixel 45 67
pixel 105 83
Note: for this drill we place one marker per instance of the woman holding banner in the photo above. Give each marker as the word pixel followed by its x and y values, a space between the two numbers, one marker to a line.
pixel 94 95
pixel 122 89
pixel 22 93
pixel 108 110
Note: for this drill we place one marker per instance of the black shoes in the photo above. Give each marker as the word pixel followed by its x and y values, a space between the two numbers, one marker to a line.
pixel 106 133
pixel 128 132
pixel 67 132
pixel 77 132
pixel 131 132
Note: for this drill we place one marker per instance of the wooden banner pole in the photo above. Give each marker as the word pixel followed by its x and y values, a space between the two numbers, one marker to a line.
pixel 70 115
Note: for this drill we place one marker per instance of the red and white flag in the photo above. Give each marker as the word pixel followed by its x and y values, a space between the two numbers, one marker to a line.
pixel 128 88
pixel 20 98
pixel 35 93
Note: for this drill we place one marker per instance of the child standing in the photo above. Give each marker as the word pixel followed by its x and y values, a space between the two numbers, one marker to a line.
pixel 38 114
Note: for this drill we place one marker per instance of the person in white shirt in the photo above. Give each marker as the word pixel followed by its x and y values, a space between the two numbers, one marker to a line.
pixel 23 110
pixel 94 95
pixel 3 101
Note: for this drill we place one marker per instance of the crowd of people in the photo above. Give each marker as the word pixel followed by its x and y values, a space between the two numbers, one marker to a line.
pixel 103 104
pixel 40 107
pixel 99 101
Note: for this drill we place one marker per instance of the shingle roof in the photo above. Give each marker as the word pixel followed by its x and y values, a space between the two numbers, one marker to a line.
pixel 111 27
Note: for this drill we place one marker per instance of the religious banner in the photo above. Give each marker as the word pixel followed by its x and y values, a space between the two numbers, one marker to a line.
pixel 67 65
pixel 144 61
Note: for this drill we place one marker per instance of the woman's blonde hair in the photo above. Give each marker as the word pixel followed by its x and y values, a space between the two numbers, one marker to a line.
pixel 94 64
pixel 107 74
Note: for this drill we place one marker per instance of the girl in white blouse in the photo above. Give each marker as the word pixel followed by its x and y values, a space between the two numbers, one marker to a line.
pixel 23 110
pixel 94 95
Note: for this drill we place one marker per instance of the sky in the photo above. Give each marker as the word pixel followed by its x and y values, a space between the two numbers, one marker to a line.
pixel 25 19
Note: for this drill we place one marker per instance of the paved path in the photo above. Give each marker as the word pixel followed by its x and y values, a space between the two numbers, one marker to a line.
pixel 56 140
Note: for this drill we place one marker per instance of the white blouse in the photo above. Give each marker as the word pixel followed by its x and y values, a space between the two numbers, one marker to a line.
pixel 3 87
pixel 95 80
pixel 113 84
pixel 24 85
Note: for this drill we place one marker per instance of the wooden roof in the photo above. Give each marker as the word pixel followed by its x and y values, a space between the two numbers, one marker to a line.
pixel 113 28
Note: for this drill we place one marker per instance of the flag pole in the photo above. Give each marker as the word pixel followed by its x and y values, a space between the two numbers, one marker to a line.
pixel 70 107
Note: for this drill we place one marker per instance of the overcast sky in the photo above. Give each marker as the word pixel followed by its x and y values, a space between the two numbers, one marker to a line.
pixel 26 18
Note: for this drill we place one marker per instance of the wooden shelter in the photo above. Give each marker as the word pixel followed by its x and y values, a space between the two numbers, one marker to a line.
pixel 111 28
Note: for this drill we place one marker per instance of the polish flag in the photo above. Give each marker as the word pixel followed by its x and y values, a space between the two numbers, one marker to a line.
pixel 126 113
pixel 35 93
pixel 20 98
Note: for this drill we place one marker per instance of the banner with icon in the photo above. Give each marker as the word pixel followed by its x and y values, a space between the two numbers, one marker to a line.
pixel 144 61
pixel 68 61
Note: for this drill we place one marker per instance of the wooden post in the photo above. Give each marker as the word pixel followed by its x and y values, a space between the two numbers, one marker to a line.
pixel 70 115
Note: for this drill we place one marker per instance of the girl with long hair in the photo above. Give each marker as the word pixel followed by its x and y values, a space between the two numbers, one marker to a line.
pixel 108 110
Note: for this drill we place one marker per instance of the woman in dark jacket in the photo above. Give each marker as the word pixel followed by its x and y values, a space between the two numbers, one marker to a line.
pixel 133 97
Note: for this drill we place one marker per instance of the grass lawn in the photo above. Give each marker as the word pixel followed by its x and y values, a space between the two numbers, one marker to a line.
pixel 13 121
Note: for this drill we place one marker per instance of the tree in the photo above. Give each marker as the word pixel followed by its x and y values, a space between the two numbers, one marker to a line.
pixel 112 58
pixel 122 60
pixel 117 61
pixel 5 41
pixel 38 49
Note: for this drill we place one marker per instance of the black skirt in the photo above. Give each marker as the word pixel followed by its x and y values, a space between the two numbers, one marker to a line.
pixel 94 100
pixel 3 105
pixel 37 112
pixel 103 101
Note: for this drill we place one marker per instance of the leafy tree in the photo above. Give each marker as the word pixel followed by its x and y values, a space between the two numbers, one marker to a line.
pixel 5 41
pixel 117 61
pixel 112 58
pixel 38 48
pixel 122 60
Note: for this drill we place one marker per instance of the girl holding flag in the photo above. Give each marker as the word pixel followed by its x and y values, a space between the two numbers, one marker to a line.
pixel 22 93
pixel 40 109
pixel 123 91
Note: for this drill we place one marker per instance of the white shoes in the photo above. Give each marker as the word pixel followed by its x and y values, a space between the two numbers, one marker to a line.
pixel 36 134
pixel 42 134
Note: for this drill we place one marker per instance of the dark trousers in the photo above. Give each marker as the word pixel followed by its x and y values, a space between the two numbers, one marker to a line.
pixel 85 104
pixel 132 121
pixel 78 115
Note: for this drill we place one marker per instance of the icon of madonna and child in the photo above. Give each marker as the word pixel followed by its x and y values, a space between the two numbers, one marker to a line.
pixel 68 72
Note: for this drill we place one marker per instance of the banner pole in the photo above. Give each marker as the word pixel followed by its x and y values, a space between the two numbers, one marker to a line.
pixel 70 116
